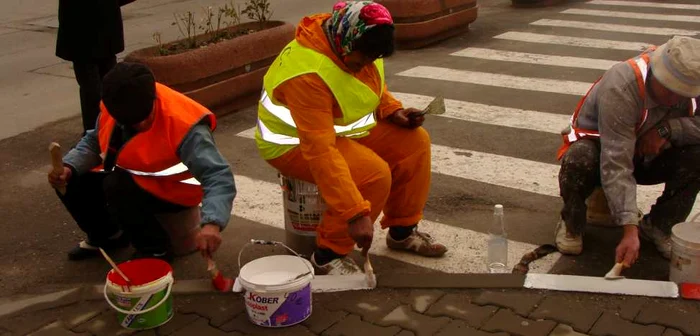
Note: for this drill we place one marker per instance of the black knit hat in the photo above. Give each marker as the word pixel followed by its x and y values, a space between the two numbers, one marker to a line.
pixel 128 92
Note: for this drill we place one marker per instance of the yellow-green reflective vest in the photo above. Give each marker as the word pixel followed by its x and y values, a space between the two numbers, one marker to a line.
pixel 276 131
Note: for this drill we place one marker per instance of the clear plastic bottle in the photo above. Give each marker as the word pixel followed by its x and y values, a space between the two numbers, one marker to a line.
pixel 498 243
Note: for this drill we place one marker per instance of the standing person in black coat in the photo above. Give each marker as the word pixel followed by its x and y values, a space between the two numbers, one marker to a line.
pixel 90 34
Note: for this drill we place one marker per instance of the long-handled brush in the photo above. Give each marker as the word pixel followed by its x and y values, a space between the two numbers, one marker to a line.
pixel 116 269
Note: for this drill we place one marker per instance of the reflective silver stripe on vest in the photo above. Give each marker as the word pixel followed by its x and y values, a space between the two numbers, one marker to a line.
pixel 174 170
pixel 191 180
pixel 285 115
pixel 279 139
pixel 643 68
pixel 276 110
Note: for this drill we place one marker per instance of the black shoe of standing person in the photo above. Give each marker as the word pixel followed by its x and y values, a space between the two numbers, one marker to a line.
pixel 87 249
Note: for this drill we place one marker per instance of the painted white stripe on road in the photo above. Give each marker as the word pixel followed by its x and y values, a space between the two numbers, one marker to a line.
pixel 615 27
pixel 633 15
pixel 489 114
pixel 510 172
pixel 261 202
pixel 573 41
pixel 521 57
pixel 643 4
pixel 577 283
pixel 500 80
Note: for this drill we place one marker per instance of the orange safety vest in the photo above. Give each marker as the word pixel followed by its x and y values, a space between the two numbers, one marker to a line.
pixel 640 65
pixel 151 156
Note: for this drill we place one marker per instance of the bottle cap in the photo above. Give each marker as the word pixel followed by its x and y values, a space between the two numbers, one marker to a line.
pixel 498 209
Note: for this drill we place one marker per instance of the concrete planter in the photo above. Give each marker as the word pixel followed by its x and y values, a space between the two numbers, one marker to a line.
pixel 535 3
pixel 423 22
pixel 225 76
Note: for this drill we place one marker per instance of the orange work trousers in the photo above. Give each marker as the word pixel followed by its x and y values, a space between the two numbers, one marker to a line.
pixel 391 169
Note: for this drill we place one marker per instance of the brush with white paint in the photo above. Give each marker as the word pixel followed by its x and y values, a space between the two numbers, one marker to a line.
pixel 369 272
pixel 614 272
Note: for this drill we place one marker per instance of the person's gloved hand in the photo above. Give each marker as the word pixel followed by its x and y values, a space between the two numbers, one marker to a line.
pixel 408 118
pixel 208 239
pixel 60 180
pixel 362 232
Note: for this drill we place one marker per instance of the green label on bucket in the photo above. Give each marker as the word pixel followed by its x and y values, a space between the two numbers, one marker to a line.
pixel 149 320
pixel 279 309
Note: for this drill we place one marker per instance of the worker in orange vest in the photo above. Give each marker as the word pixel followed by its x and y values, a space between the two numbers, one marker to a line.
pixel 637 124
pixel 151 152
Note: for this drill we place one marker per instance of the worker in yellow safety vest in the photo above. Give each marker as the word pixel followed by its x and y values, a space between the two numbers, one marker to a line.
pixel 326 117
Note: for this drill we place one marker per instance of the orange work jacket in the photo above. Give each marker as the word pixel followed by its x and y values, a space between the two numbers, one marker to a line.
pixel 151 156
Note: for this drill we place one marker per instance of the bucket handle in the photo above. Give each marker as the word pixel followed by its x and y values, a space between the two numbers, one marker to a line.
pixel 695 217
pixel 165 297
pixel 272 242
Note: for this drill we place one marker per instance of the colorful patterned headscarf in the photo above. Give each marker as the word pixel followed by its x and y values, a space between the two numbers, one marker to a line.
pixel 351 19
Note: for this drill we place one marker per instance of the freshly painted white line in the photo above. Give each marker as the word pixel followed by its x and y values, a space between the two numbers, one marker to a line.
pixel 521 57
pixel 615 27
pixel 489 114
pixel 510 172
pixel 643 4
pixel 261 201
pixel 500 80
pixel 633 15
pixel 573 41
pixel 589 284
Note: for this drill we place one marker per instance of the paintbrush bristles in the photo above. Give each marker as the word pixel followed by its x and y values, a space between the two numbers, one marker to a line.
pixel 614 273
pixel 369 272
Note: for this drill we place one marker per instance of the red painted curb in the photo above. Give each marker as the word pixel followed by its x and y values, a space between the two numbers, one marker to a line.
pixel 220 74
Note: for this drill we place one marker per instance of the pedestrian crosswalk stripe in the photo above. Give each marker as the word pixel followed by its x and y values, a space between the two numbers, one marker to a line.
pixel 644 4
pixel 522 57
pixel 509 172
pixel 489 114
pixel 633 15
pixel 615 27
pixel 573 41
pixel 500 80
pixel 261 202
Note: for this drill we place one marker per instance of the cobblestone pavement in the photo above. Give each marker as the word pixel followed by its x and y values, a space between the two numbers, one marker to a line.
pixel 393 312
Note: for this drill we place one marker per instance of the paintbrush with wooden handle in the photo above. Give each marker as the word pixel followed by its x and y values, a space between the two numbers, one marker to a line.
pixel 369 272
pixel 116 269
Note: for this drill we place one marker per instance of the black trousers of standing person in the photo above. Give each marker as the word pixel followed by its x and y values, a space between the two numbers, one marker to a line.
pixel 104 203
pixel 89 76
pixel 677 167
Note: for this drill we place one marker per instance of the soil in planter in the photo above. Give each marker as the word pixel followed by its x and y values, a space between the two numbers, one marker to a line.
pixel 202 41
pixel 178 47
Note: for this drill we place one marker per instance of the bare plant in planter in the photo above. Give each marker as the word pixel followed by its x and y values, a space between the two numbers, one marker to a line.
pixel 422 22
pixel 218 61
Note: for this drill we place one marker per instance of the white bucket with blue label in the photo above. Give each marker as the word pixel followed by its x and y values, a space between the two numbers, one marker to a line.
pixel 277 289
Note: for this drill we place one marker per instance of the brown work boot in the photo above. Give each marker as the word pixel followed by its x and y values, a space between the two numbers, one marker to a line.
pixel 420 243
